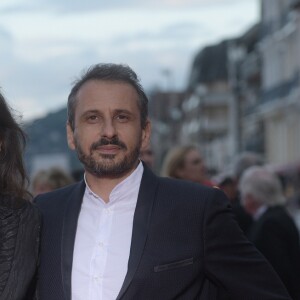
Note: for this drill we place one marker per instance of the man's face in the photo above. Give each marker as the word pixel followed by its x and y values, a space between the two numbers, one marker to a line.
pixel 107 133
pixel 249 203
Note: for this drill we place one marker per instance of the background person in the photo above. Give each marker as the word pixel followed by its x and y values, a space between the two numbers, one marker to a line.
pixel 147 155
pixel 185 162
pixel 273 232
pixel 49 180
pixel 123 232
pixel 242 162
pixel 227 183
pixel 19 219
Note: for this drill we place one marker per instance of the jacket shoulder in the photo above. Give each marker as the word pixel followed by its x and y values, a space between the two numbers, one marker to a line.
pixel 185 185
pixel 59 196
pixel 189 191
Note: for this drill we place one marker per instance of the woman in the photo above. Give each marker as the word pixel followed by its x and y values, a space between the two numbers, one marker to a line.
pixel 19 219
pixel 185 162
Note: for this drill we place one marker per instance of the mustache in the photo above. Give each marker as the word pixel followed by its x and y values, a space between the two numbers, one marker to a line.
pixel 103 142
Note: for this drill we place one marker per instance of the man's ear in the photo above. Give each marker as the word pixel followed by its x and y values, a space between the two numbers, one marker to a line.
pixel 146 134
pixel 70 137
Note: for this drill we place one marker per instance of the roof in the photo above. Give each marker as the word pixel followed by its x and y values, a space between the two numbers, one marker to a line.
pixel 210 64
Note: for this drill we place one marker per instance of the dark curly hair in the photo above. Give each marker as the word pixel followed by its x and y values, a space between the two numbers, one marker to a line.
pixel 13 178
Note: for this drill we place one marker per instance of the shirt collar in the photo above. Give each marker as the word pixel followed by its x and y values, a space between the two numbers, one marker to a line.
pixel 124 189
pixel 260 212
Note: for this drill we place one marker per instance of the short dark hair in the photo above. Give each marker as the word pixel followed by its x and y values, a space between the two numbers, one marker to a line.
pixel 109 72
pixel 13 178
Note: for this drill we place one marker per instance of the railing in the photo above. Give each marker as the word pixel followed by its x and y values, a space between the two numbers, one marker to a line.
pixel 251 66
pixel 216 99
pixel 281 90
pixel 206 126
pixel 270 27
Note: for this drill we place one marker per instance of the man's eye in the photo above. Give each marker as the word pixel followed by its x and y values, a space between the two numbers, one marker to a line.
pixel 92 118
pixel 122 117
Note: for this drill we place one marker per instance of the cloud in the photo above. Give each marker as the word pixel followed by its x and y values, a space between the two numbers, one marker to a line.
pixel 4 35
pixel 92 5
pixel 33 88
pixel 42 51
pixel 6 42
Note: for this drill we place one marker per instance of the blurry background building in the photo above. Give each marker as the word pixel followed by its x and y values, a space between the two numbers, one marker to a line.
pixel 47 144
pixel 165 110
pixel 280 94
pixel 243 94
pixel 208 110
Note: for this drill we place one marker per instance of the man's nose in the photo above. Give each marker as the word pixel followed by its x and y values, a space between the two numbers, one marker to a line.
pixel 108 129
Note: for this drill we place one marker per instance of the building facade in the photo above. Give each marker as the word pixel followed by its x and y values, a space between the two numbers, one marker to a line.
pixel 165 110
pixel 280 87
pixel 209 111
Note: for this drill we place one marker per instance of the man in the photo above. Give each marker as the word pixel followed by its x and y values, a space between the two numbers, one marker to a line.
pixel 274 232
pixel 243 161
pixel 123 233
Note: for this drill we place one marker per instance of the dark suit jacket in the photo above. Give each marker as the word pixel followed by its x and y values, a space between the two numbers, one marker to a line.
pixel 184 242
pixel 276 236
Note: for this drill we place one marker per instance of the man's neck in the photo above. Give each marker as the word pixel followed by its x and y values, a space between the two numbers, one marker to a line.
pixel 103 186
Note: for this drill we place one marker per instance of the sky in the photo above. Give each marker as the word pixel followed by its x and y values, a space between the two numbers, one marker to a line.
pixel 46 44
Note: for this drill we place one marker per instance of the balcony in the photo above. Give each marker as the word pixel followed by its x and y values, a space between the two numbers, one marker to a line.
pixel 251 67
pixel 216 99
pixel 206 127
pixel 280 91
pixel 272 26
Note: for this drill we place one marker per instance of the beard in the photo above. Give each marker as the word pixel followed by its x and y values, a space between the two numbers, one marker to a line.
pixel 106 166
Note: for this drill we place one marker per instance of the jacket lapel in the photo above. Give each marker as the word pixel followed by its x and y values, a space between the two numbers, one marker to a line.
pixel 68 235
pixel 141 222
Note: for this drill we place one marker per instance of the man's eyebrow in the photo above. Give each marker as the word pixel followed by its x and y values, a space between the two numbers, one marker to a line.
pixel 90 111
pixel 96 111
pixel 123 111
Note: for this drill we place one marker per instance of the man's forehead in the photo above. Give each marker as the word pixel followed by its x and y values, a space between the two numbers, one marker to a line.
pixel 105 82
pixel 105 87
pixel 98 95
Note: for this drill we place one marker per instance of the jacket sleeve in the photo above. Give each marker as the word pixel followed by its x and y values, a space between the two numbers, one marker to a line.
pixel 231 261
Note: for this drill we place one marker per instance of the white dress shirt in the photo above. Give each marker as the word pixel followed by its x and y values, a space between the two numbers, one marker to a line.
pixel 260 212
pixel 103 239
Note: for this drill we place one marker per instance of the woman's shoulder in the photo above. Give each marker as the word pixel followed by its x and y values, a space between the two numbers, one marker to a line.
pixel 29 213
pixel 11 207
pixel 19 234
pixel 9 202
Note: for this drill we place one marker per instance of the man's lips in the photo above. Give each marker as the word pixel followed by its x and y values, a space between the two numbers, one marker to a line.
pixel 108 149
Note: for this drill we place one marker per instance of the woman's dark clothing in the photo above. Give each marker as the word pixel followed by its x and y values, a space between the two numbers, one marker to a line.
pixel 19 245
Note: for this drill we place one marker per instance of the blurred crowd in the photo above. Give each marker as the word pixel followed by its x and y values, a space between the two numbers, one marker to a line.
pixel 262 203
